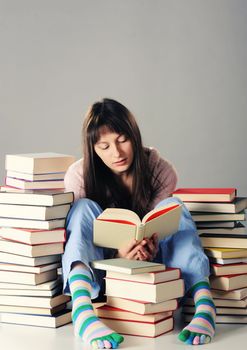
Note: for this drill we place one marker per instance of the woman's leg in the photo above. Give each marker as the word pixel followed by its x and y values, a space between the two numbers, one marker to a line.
pixel 80 280
pixel 183 250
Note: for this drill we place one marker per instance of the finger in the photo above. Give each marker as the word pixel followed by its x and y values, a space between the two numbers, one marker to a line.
pixel 131 245
pixel 134 251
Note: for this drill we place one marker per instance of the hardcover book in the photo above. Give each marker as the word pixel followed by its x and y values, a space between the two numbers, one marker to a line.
pixel 116 227
pixel 205 194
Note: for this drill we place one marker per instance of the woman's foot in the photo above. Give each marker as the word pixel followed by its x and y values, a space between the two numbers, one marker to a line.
pixel 202 327
pixel 86 324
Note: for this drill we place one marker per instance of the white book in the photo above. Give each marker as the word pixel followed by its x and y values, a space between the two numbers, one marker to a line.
pixel 34 212
pixel 45 286
pixel 35 224
pixel 35 177
pixel 31 269
pixel 38 163
pixel 34 185
pixel 29 261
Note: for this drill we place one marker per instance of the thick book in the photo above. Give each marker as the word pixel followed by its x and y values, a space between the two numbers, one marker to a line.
pixel 237 205
pixel 31 269
pixel 239 228
pixel 31 292
pixel 206 216
pixel 205 194
pixel 127 266
pixel 34 212
pixel 27 277
pixel 229 269
pixel 236 295
pixel 47 302
pixel 34 185
pixel 154 293
pixel 29 261
pixel 38 163
pixel 215 224
pixel 106 311
pixel 32 310
pixel 149 277
pixel 227 261
pixel 226 253
pixel 143 329
pixel 44 286
pixel 223 303
pixel 228 283
pixel 220 310
pixel 35 224
pixel 31 250
pixel 115 227
pixel 142 307
pixel 54 321
pixel 35 177
pixel 210 240
pixel 234 319
pixel 30 236
pixel 42 198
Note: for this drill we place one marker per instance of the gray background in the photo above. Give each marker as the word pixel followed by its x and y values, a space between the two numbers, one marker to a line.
pixel 179 66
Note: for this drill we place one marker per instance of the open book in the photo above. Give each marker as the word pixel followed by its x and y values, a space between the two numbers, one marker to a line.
pixel 115 227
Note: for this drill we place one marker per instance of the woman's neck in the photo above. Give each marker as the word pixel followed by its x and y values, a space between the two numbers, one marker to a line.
pixel 126 179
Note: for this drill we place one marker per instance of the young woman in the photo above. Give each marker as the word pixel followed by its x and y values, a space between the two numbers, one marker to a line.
pixel 117 171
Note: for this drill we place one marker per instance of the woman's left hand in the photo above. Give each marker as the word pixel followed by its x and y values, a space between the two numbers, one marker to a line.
pixel 151 248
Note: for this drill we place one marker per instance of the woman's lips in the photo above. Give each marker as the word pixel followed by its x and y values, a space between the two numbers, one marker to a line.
pixel 121 162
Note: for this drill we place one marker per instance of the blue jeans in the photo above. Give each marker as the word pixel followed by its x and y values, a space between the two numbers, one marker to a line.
pixel 182 249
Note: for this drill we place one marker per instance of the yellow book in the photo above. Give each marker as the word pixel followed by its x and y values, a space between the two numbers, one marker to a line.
pixel 115 227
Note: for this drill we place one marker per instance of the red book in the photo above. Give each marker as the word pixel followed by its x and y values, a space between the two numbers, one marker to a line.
pixel 205 194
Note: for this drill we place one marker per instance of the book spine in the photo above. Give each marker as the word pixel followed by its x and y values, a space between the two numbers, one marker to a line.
pixel 140 232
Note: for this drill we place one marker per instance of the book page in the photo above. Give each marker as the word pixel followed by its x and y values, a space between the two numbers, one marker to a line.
pixel 118 214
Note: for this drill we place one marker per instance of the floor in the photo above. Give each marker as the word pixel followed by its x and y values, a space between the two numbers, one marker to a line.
pixel 16 337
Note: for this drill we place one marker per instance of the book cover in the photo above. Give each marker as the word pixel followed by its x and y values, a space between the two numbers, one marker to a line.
pixel 235 319
pixel 35 177
pixel 223 241
pixel 31 250
pixel 31 269
pixel 142 307
pixel 34 185
pixel 227 261
pixel 229 269
pixel 30 236
pixel 236 295
pixel 34 212
pixel 106 311
pixel 163 220
pixel 29 261
pixel 226 253
pixel 239 228
pixel 154 293
pixel 32 310
pixel 127 266
pixel 143 329
pixel 38 163
pixel 32 301
pixel 205 194
pixel 34 224
pixel 44 286
pixel 229 282
pixel 168 274
pixel 236 206
pixel 27 277
pixel 54 321
pixel 206 216
pixel 223 303
pixel 41 198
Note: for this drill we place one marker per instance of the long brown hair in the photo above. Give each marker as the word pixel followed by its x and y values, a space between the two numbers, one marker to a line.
pixel 100 183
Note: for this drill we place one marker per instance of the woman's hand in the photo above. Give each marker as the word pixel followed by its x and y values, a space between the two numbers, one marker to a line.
pixel 134 250
pixel 151 248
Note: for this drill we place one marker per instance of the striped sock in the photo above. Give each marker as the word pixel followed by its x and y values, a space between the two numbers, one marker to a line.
pixel 202 327
pixel 86 324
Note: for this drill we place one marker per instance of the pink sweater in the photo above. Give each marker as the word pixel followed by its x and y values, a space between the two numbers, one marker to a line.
pixel 161 168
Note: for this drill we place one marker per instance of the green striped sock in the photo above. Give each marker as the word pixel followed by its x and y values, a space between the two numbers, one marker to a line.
pixel 201 329
pixel 86 324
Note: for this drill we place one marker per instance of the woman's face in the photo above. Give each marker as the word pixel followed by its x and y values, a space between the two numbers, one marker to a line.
pixel 115 150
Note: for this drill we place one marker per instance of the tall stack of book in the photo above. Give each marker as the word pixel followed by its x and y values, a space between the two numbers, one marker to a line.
pixel 218 214
pixel 141 296
pixel 33 208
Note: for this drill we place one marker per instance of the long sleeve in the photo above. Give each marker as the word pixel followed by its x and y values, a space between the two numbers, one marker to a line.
pixel 165 174
pixel 74 181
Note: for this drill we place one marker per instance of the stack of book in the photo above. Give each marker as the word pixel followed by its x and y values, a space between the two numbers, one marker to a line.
pixel 33 208
pixel 218 213
pixel 141 296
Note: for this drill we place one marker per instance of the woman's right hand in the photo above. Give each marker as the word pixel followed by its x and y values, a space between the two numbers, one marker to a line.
pixel 134 250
